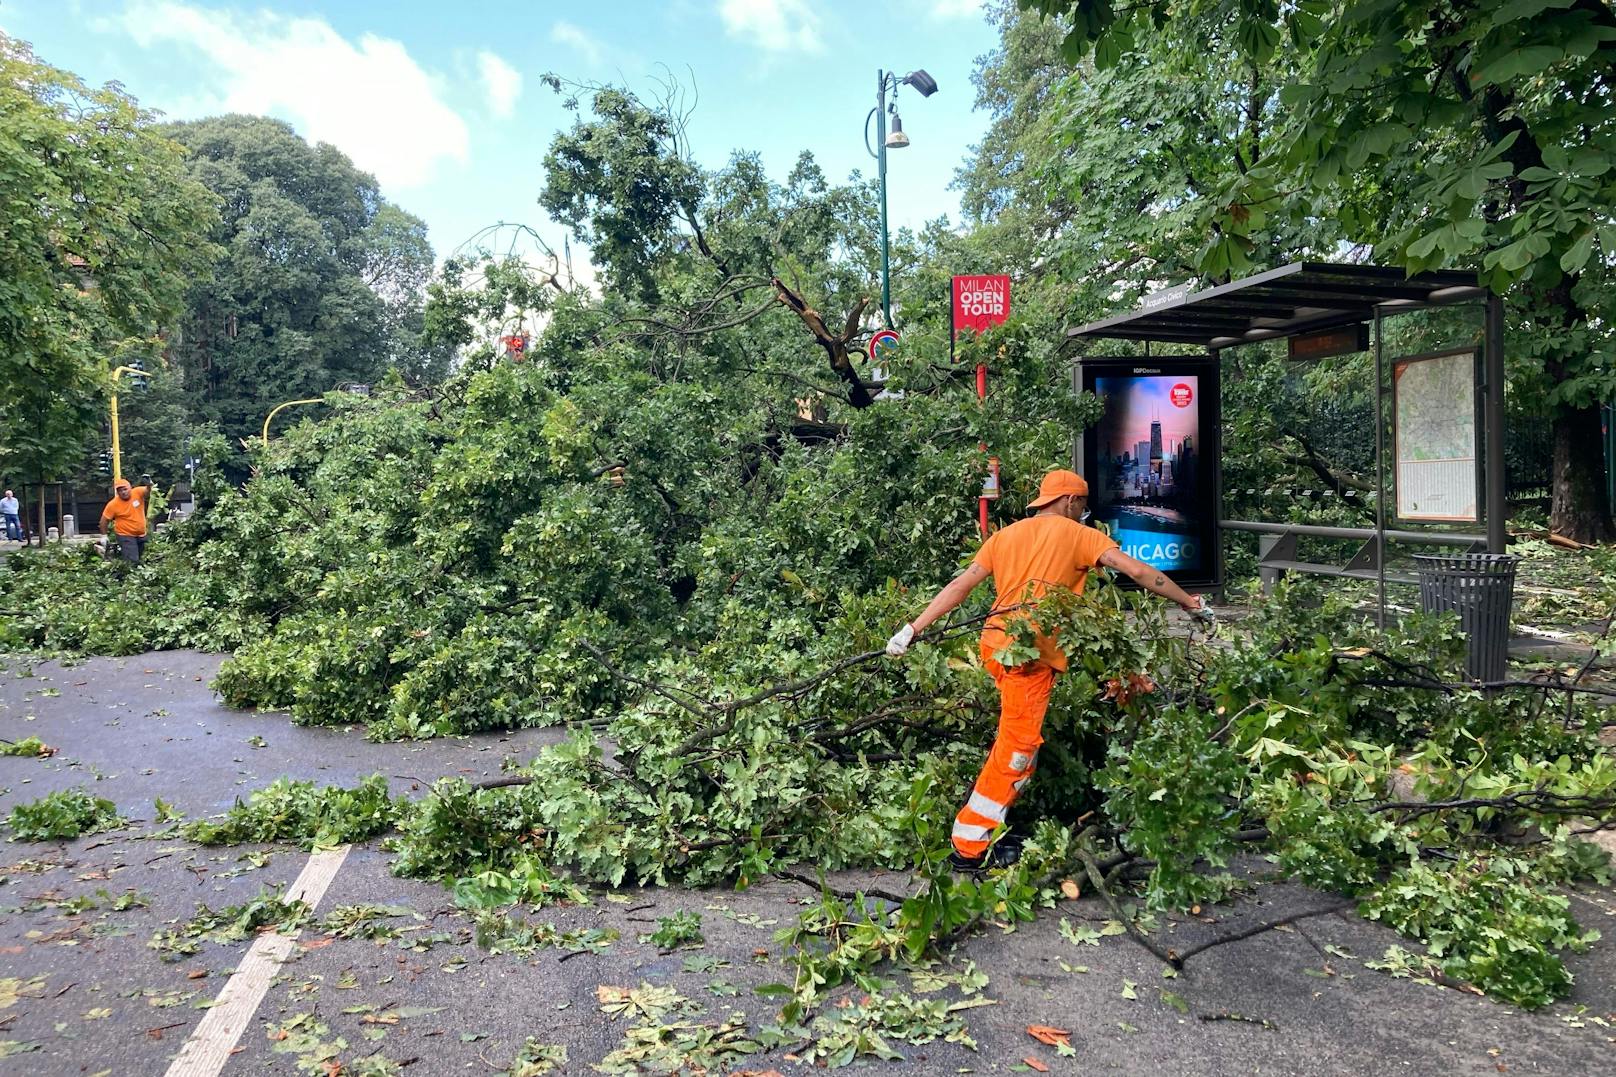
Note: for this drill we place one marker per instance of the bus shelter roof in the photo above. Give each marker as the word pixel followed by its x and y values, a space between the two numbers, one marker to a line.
pixel 1283 302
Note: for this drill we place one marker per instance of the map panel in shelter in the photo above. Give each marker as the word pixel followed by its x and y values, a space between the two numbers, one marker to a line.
pixel 1434 437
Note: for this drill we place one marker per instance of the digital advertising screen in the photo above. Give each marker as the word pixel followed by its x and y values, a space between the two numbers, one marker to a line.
pixel 1152 462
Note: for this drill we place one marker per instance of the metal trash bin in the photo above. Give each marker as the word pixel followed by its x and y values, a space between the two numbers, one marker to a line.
pixel 1480 588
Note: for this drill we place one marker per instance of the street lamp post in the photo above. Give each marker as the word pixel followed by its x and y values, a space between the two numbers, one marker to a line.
pixel 276 410
pixel 117 449
pixel 881 171
pixel 884 80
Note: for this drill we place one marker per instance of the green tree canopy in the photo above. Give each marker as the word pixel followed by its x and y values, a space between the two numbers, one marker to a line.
pixel 1453 134
pixel 103 231
pixel 320 283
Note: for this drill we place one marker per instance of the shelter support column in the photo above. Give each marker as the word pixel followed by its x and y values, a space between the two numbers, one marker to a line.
pixel 1492 359
pixel 1077 435
pixel 1212 447
pixel 1380 476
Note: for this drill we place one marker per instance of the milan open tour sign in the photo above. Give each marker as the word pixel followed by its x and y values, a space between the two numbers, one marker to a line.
pixel 980 302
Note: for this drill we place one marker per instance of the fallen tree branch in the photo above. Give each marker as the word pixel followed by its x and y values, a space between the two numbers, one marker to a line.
pixel 1097 879
pixel 503 782
pixel 654 686
pixel 1345 484
pixel 1177 959
pixel 1050 877
pixel 1552 686
pixel 693 327
pixel 1228 1015
pixel 1593 656
pixel 797 688
pixel 1541 801
pixel 845 895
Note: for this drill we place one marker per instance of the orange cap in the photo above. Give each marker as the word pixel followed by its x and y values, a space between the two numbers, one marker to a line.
pixel 120 481
pixel 1059 483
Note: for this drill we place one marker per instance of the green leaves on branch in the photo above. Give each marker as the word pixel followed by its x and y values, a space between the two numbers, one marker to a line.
pixel 683 928
pixel 1483 923
pixel 62 816
pixel 299 811
pixel 230 924
pixel 103 231
pixel 1186 820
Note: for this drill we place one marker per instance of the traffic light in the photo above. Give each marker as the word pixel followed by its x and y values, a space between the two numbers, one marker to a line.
pixel 139 378
pixel 103 463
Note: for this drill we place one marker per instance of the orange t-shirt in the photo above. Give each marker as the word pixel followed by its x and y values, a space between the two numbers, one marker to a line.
pixel 128 517
pixel 1043 552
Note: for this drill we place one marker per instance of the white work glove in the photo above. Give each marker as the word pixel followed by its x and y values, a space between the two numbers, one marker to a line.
pixel 1202 612
pixel 898 645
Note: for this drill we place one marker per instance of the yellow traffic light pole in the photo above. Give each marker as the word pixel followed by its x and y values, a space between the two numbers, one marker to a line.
pixel 277 408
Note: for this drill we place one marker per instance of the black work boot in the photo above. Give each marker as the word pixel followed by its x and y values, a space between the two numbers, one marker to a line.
pixel 1001 854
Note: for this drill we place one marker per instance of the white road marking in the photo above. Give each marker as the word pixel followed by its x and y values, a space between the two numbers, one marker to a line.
pixel 316 876
pixel 208 1048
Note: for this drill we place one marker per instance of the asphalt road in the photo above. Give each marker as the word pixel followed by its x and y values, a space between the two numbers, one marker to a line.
pixel 82 992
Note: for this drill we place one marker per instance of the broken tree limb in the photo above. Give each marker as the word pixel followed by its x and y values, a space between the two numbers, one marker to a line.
pixel 795 689
pixel 1229 1015
pixel 654 686
pixel 1540 801
pixel 502 783
pixel 835 344
pixel 1178 958
pixel 1058 872
pixel 1344 483
pixel 1097 879
pixel 845 895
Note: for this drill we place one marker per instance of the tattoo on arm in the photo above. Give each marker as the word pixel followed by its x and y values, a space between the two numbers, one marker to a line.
pixel 1160 579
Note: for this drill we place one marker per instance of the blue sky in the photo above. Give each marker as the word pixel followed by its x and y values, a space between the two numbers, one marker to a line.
pixel 442 100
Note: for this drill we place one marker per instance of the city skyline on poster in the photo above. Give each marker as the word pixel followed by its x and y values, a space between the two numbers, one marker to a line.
pixel 1150 472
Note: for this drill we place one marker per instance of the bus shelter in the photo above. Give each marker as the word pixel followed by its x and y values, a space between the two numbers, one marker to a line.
pixel 1439 473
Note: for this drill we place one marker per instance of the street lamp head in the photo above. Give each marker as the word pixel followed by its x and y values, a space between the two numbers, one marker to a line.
pixel 921 81
pixel 896 139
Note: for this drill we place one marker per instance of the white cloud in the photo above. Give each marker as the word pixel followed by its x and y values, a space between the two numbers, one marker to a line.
pixel 502 81
pixel 369 97
pixel 773 25
pixel 580 41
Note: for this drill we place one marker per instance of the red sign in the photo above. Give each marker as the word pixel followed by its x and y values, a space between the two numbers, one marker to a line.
pixel 1181 395
pixel 980 302
pixel 883 341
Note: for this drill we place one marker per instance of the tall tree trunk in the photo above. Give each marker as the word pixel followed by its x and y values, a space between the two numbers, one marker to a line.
pixel 1579 510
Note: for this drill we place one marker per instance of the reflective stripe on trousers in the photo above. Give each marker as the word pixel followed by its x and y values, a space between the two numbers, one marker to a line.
pixel 1023 699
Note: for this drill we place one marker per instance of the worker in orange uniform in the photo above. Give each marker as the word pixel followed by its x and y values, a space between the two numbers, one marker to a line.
pixel 1050 548
pixel 125 519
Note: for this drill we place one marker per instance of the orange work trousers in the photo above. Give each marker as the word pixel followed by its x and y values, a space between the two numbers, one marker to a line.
pixel 1023 699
